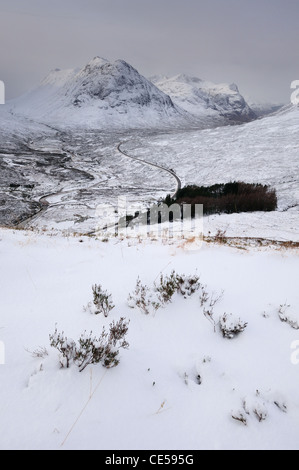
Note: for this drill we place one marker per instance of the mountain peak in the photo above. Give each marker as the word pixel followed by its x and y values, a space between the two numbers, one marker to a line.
pixel 234 87
pixel 101 94
pixel 99 67
pixel 96 62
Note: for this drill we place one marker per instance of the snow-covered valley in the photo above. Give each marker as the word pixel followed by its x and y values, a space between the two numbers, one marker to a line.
pixel 63 176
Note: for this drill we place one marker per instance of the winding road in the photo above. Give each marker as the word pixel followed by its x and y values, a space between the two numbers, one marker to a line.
pixel 171 172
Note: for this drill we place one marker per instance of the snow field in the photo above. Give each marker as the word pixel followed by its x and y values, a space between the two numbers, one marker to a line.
pixel 153 398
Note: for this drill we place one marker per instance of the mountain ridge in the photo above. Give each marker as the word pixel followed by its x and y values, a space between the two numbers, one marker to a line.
pixel 200 97
pixel 114 94
pixel 101 94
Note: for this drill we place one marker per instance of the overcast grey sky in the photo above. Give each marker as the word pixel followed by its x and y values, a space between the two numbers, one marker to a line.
pixel 253 43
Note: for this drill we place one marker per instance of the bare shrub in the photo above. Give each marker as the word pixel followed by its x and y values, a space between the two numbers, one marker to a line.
pixel 231 326
pixel 256 408
pixel 215 298
pixel 91 349
pixel 208 303
pixel 176 283
pixel 102 301
pixel 220 236
pixel 204 296
pixel 209 314
pixel 260 413
pixel 187 285
pixel 281 406
pixel 240 417
pixel 167 287
pixel 149 300
pixel 286 317
pixel 39 353
pixel 65 346
pixel 143 298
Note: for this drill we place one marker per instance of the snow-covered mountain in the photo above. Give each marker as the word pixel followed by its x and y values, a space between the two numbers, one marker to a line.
pixel 203 98
pixel 107 94
pixel 101 94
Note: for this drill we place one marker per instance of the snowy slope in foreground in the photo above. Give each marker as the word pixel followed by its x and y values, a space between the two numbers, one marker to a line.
pixel 152 400
pixel 102 94
pixel 203 98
